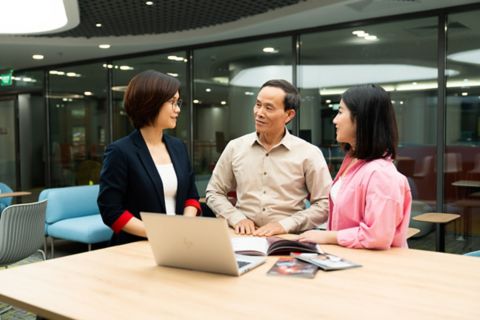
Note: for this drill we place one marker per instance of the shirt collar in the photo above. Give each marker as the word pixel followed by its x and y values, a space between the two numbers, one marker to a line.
pixel 287 140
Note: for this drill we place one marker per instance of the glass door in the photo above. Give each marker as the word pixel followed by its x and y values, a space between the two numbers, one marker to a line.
pixel 8 142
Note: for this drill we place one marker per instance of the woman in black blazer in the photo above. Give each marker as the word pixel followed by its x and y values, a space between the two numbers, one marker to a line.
pixel 147 170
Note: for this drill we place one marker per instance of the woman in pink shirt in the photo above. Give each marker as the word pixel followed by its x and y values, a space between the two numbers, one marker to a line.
pixel 369 199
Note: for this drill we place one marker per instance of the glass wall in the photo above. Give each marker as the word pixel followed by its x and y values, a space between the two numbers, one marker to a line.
pixel 77 104
pixel 462 135
pixel 400 56
pixel 22 124
pixel 174 64
pixel 226 82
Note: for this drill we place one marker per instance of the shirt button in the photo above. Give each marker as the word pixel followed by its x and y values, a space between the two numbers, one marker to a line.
pixel 263 209
pixel 265 173
pixel 266 155
pixel 264 191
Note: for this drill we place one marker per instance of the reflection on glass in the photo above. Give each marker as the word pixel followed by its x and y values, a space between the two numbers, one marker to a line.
pixel 78 118
pixel 402 59
pixel 462 154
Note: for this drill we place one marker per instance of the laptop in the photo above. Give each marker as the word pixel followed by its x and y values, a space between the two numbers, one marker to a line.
pixel 198 243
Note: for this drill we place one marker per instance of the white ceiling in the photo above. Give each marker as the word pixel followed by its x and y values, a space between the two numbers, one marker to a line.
pixel 16 52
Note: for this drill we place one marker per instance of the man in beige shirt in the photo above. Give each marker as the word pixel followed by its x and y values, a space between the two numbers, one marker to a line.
pixel 272 172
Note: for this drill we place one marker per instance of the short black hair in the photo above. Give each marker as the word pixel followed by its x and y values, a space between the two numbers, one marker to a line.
pixel 372 111
pixel 145 95
pixel 292 97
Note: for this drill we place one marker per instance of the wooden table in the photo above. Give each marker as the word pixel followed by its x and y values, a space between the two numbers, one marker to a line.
pixel 123 282
pixel 467 183
pixel 440 219
pixel 468 200
pixel 14 194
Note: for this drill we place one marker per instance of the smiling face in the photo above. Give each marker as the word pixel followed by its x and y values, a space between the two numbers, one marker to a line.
pixel 269 111
pixel 169 112
pixel 345 125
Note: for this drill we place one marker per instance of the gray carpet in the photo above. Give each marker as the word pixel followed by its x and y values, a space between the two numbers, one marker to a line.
pixel 14 314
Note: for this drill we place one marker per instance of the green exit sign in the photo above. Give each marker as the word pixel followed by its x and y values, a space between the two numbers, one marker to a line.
pixel 6 78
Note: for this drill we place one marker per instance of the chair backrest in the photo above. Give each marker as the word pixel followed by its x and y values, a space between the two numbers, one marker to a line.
pixel 21 231
pixel 5 202
pixel 70 202
pixel 453 162
pixel 473 254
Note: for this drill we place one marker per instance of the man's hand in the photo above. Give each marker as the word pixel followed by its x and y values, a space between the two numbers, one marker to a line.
pixel 245 226
pixel 270 229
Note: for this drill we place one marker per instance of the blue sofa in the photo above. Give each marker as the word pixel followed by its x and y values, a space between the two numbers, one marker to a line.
pixel 72 214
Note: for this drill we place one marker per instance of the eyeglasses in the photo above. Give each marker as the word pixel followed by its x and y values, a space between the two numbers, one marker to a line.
pixel 178 104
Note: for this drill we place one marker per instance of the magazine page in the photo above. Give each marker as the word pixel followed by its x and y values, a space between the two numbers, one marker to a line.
pixel 280 246
pixel 325 261
pixel 290 266
pixel 253 246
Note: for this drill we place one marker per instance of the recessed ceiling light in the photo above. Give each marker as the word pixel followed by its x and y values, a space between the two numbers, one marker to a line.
pixel 149 3
pixel 464 94
pixel 88 93
pixel 98 25
pixel 371 37
pixel 196 101
pixel 60 73
pixel 104 46
pixel 175 58
pixel 270 50
pixel 37 57
pixel 208 90
pixel 173 74
pixel 359 33
pixel 223 102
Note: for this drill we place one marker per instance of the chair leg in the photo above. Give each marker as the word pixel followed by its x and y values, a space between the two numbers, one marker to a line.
pixel 45 251
pixel 44 256
pixel 52 250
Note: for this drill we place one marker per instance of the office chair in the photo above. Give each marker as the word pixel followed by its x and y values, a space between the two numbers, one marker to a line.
pixel 473 254
pixel 5 202
pixel 22 228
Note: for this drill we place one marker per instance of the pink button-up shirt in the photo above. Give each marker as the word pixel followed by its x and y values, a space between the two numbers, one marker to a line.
pixel 372 207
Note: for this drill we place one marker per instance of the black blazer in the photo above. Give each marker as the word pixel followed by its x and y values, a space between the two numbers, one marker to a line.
pixel 130 181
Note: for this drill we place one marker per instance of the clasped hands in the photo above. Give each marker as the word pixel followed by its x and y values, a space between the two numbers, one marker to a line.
pixel 248 227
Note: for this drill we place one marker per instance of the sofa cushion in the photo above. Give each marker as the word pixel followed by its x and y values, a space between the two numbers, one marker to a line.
pixel 86 229
pixel 70 202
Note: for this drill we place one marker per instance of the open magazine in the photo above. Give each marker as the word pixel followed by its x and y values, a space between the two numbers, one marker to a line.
pixel 290 266
pixel 261 246
pixel 326 261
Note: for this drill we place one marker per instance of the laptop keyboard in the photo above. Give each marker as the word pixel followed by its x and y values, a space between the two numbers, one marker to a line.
pixel 242 263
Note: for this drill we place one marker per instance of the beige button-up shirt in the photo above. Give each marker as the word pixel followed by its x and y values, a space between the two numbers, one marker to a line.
pixel 271 186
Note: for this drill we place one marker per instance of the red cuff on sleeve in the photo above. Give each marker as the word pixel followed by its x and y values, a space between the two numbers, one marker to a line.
pixel 118 225
pixel 193 203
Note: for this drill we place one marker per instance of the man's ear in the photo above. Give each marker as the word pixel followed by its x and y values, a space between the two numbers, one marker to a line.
pixel 290 115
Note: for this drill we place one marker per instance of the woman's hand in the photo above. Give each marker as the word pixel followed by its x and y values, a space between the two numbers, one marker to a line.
pixel 319 236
